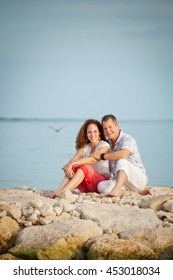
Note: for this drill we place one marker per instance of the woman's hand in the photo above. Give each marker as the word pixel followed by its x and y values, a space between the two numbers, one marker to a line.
pixel 70 174
pixel 68 170
pixel 67 167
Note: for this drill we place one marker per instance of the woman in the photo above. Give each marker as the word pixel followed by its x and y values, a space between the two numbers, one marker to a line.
pixel 84 171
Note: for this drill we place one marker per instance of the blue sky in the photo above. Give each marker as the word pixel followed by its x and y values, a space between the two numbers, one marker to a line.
pixel 82 59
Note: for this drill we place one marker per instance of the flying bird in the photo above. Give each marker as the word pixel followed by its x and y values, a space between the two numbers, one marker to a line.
pixel 56 129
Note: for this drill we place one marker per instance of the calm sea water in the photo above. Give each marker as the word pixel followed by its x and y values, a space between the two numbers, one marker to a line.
pixel 32 153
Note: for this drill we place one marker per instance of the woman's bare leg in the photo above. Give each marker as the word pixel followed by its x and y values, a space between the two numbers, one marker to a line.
pixel 74 182
pixel 62 185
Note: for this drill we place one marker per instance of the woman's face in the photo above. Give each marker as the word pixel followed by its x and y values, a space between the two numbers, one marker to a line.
pixel 93 133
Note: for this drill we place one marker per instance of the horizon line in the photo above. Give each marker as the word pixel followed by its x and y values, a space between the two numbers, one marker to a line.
pixel 70 119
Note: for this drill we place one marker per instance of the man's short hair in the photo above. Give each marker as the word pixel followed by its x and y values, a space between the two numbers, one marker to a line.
pixel 107 117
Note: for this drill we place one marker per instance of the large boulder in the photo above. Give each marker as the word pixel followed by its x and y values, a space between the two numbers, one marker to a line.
pixel 8 231
pixel 129 220
pixel 63 239
pixel 110 247
pixel 141 227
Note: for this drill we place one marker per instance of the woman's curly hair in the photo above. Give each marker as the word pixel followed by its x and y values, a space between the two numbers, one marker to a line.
pixel 81 139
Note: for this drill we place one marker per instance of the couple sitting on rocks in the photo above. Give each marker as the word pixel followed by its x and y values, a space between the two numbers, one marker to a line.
pixel 104 166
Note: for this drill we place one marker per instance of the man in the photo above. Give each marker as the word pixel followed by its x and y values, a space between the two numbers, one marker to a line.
pixel 126 166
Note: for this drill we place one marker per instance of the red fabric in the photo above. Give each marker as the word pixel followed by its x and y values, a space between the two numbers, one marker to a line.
pixel 91 178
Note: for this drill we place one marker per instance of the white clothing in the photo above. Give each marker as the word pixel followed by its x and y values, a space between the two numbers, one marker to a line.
pixel 136 179
pixel 125 141
pixel 102 166
pixel 132 166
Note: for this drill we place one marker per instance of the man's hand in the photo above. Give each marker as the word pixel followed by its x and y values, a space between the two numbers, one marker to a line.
pixel 96 155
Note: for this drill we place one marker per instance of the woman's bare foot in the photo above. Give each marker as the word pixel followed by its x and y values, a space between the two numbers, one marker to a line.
pixel 54 195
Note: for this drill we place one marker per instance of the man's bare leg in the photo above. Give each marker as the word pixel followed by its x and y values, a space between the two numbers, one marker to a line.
pixel 120 181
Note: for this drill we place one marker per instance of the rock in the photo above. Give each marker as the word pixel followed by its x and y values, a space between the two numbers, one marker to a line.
pixel 8 257
pixel 106 200
pixel 46 210
pixel 127 219
pixel 27 223
pixel 45 242
pixel 36 203
pixel 3 213
pixel 131 200
pixel 57 210
pixel 28 212
pixel 65 205
pixel 47 219
pixel 33 218
pixel 161 241
pixel 165 216
pixel 75 213
pixel 8 230
pixel 168 206
pixel 156 202
pixel 16 213
pixel 37 212
pixel 109 247
pixel 69 196
pixel 86 225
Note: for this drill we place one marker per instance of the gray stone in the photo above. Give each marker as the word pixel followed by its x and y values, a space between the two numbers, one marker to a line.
pixel 36 203
pixel 27 212
pixel 69 196
pixel 127 219
pixel 46 210
pixel 57 210
pixel 168 206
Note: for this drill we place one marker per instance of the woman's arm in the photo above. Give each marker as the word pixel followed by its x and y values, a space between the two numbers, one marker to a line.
pixel 68 166
pixel 78 155
pixel 84 160
pixel 91 159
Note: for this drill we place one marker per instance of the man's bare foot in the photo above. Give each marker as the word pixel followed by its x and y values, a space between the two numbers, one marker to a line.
pixel 115 194
pixel 146 191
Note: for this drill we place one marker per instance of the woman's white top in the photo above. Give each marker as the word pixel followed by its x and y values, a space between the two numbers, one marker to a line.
pixel 102 166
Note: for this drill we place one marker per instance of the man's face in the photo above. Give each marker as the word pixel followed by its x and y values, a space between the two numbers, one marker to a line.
pixel 111 129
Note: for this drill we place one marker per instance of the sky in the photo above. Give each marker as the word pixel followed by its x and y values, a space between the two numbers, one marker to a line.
pixel 85 59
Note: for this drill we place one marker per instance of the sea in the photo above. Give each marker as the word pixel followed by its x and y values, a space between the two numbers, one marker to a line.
pixel 33 151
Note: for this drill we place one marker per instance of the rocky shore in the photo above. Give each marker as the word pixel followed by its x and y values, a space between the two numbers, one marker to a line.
pixel 85 226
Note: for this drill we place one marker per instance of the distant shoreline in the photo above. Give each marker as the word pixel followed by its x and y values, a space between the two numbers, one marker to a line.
pixel 4 119
pixel 34 119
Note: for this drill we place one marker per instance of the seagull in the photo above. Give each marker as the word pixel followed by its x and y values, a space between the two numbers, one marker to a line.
pixel 57 129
